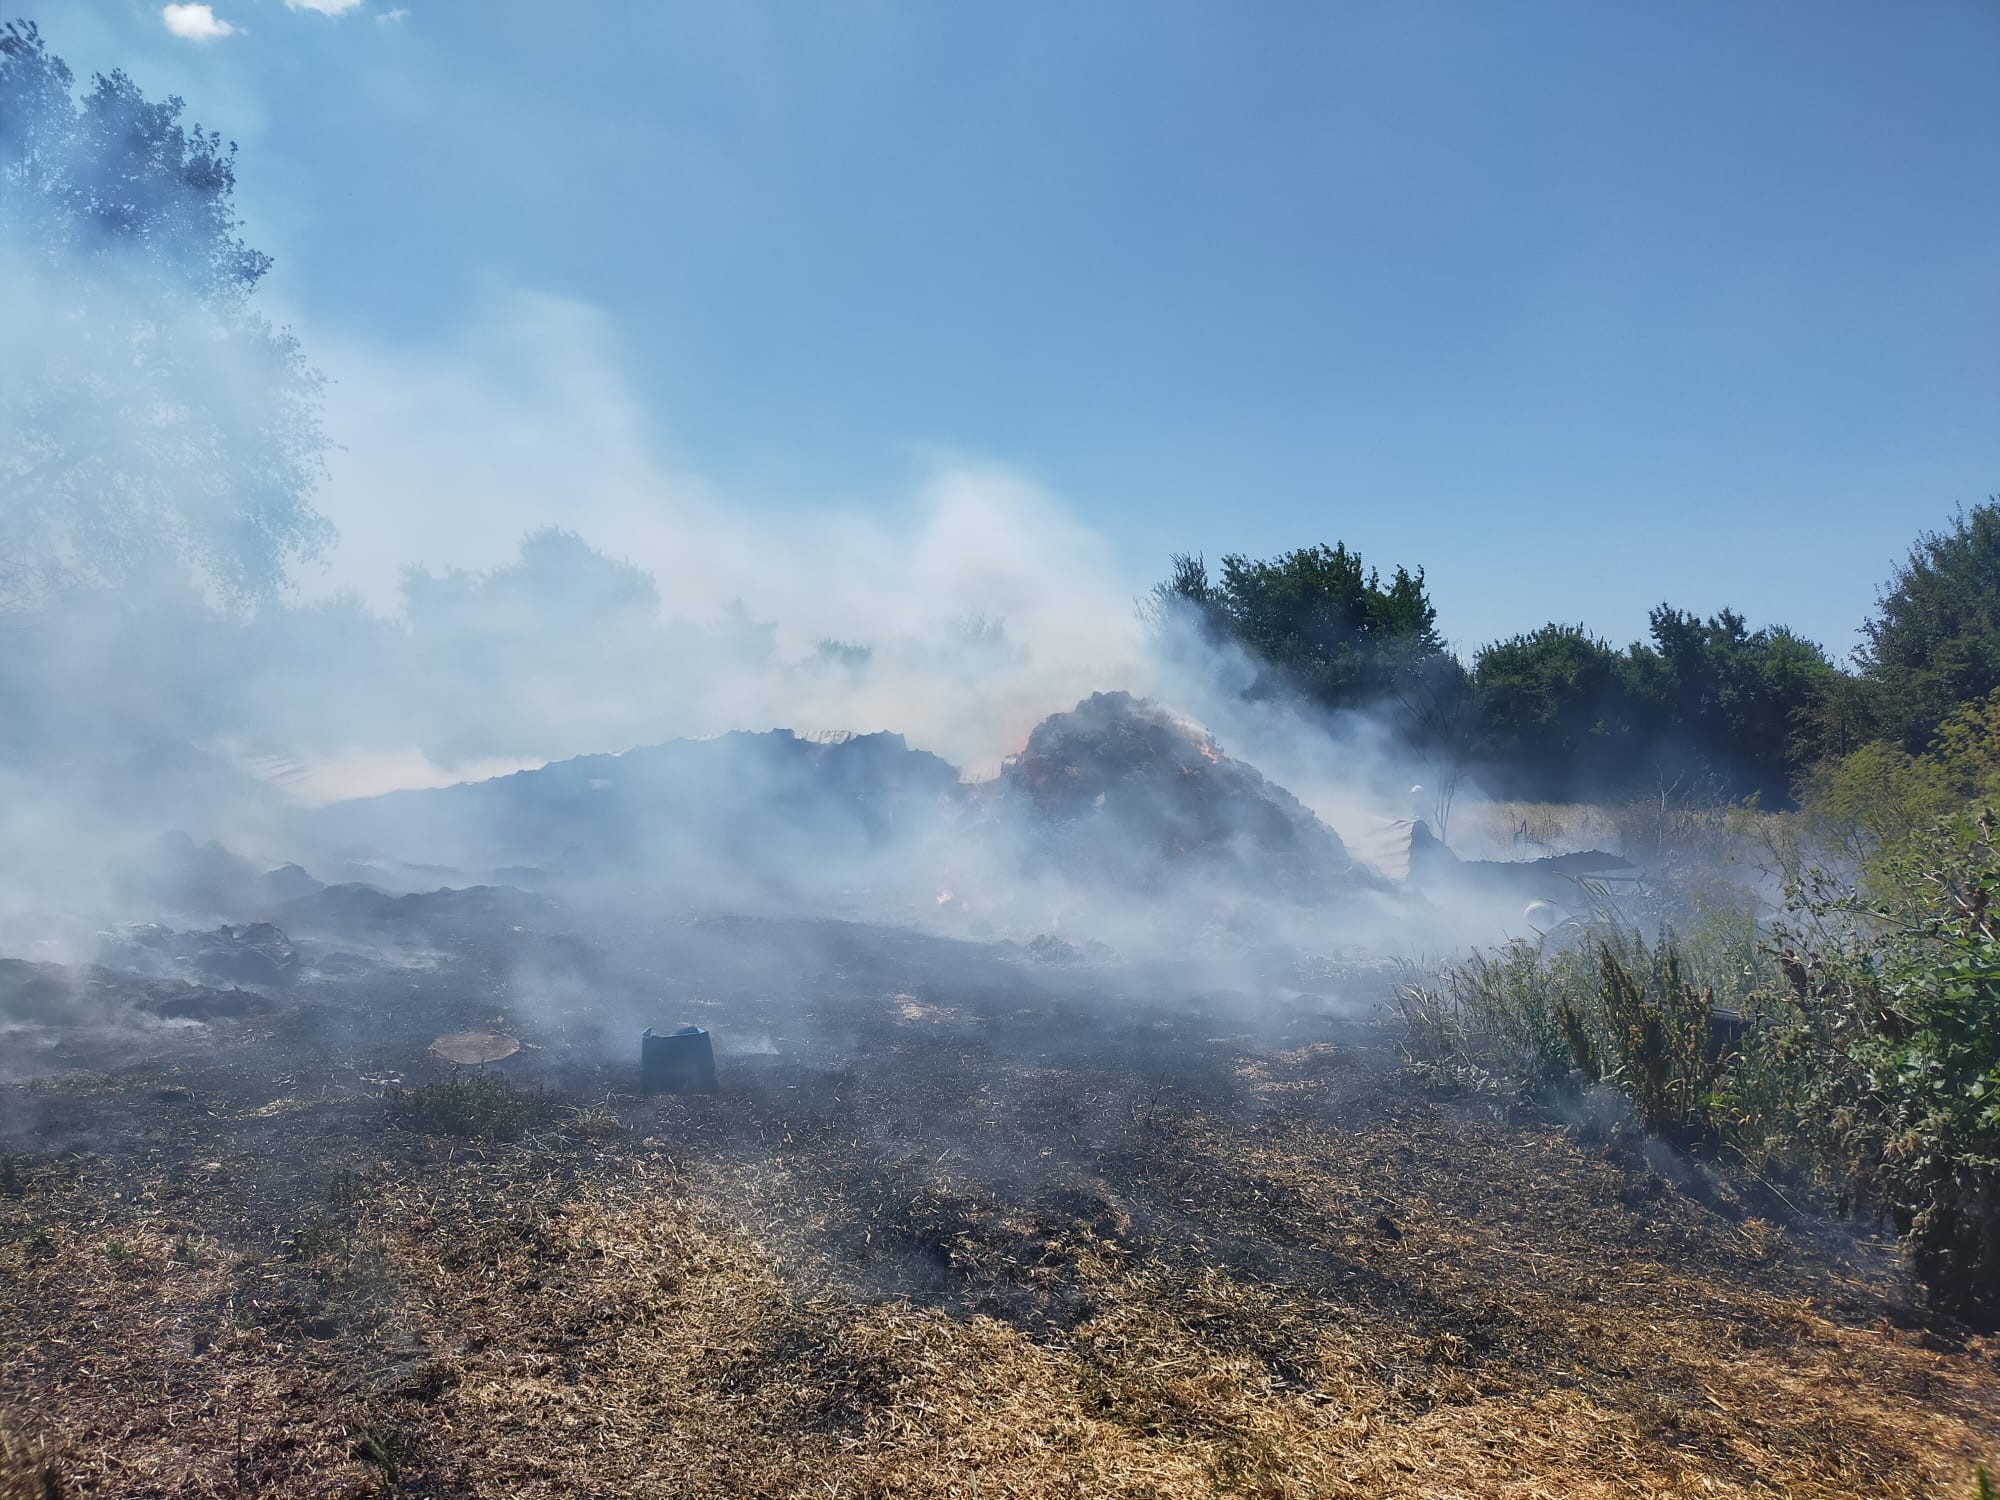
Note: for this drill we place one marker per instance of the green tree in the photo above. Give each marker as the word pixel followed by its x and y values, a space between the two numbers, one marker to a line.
pixel 156 422
pixel 1562 713
pixel 1934 642
pixel 1733 703
pixel 1316 619
pixel 1555 713
pixel 1878 796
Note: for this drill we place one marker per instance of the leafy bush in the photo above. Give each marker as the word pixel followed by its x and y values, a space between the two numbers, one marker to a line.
pixel 1856 1044
pixel 1888 1054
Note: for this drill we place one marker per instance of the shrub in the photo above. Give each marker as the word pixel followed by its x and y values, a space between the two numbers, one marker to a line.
pixel 1889 1051
pixel 1661 1030
pixel 1558 1018
pixel 1863 1055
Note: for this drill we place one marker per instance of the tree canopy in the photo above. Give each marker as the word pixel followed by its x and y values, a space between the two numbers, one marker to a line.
pixel 1555 700
pixel 1555 712
pixel 1732 703
pixel 1321 621
pixel 156 421
pixel 1934 640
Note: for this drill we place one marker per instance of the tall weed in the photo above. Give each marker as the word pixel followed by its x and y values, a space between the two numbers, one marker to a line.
pixel 1852 1043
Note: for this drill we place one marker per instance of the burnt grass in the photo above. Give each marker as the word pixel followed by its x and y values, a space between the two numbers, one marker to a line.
pixel 954 1222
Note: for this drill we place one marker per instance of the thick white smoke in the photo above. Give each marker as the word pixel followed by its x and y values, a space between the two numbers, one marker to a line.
pixel 519 571
pixel 957 613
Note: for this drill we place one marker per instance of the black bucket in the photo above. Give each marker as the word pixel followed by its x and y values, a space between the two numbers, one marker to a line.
pixel 681 1062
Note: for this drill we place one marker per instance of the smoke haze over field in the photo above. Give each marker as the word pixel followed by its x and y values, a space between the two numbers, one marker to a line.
pixel 760 787
pixel 448 629
pixel 982 606
pixel 236 588
pixel 451 630
pixel 519 576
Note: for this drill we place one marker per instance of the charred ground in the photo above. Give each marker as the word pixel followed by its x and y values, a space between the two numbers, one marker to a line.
pixel 958 1218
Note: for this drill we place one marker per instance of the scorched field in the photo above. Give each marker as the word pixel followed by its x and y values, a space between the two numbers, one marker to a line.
pixel 958 1219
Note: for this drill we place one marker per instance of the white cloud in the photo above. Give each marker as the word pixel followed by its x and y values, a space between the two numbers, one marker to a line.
pixel 389 17
pixel 324 7
pixel 195 23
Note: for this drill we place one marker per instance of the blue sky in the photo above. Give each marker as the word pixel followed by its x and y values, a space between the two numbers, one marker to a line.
pixel 1580 306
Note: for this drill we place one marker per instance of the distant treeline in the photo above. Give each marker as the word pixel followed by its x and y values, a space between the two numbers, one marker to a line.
pixel 1703 706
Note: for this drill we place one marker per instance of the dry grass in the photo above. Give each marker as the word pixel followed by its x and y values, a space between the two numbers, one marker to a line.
pixel 28 1470
pixel 526 1323
pixel 1166 1261
pixel 1529 830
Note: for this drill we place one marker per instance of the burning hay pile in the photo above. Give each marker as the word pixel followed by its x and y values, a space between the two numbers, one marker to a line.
pixel 1119 787
pixel 1118 798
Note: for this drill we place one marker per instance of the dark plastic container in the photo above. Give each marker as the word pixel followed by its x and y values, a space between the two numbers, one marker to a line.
pixel 681 1062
